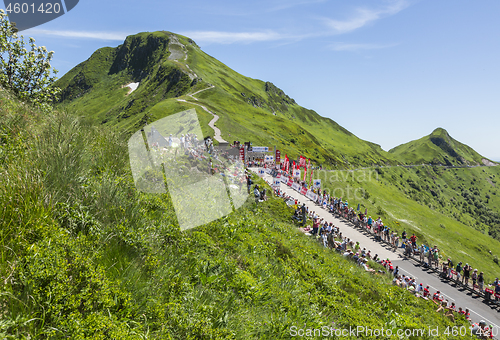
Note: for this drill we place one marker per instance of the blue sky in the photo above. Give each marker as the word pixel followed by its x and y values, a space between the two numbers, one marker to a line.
pixel 388 71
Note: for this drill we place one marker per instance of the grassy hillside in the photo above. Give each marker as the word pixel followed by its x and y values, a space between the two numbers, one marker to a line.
pixel 437 148
pixel 84 255
pixel 455 209
pixel 469 195
pixel 169 67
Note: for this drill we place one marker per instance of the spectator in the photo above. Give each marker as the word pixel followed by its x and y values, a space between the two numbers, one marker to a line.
pixel 443 306
pixel 408 249
pixel 256 193
pixel 364 264
pixel 459 270
pixel 449 312
pixel 444 271
pixel 396 240
pixel 436 256
pixel 465 313
pixel 422 252
pixel 489 332
pixel 403 282
pixel 249 183
pixel 474 279
pixel 396 271
pixel 304 214
pixel 467 269
pixel 420 288
pixel 437 296
pixel 348 253
pixel 413 240
pixel 426 292
pixel 480 281
pixel 429 257
pixel 263 196
pixel 450 267
pixel 478 329
pixel 497 289
pixel 315 226
pixel 296 215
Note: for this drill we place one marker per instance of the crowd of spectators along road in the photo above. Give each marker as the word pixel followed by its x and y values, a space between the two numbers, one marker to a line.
pixel 331 236
pixel 429 257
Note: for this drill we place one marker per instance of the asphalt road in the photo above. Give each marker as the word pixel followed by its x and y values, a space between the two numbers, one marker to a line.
pixel 462 298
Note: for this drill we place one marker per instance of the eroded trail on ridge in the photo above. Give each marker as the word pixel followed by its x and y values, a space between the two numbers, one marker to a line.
pixel 217 133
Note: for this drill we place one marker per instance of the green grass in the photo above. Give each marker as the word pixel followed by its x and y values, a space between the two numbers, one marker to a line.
pixel 84 255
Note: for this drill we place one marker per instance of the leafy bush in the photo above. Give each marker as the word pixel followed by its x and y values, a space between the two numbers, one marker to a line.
pixel 27 73
pixel 381 212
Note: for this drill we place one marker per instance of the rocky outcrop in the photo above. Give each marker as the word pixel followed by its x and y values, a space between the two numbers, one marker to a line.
pixel 76 89
pixel 138 55
pixel 271 89
pixel 255 101
pixel 196 81
pixel 487 162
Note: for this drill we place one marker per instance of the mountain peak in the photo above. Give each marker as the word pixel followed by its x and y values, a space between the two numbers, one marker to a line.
pixel 173 74
pixel 440 132
pixel 438 148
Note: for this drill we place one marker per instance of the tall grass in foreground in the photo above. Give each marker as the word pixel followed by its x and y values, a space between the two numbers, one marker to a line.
pixel 84 255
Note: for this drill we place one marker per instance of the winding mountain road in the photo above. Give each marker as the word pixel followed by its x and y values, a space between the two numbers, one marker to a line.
pixel 217 133
pixel 192 94
pixel 177 52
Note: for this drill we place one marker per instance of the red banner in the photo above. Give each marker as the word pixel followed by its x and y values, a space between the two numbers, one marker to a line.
pixel 287 163
pixel 242 154
pixel 305 174
pixel 302 162
pixel 309 164
pixel 278 157
pixel 289 183
pixel 303 191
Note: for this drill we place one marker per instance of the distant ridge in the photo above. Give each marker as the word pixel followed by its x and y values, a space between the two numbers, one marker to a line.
pixel 171 68
pixel 439 148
